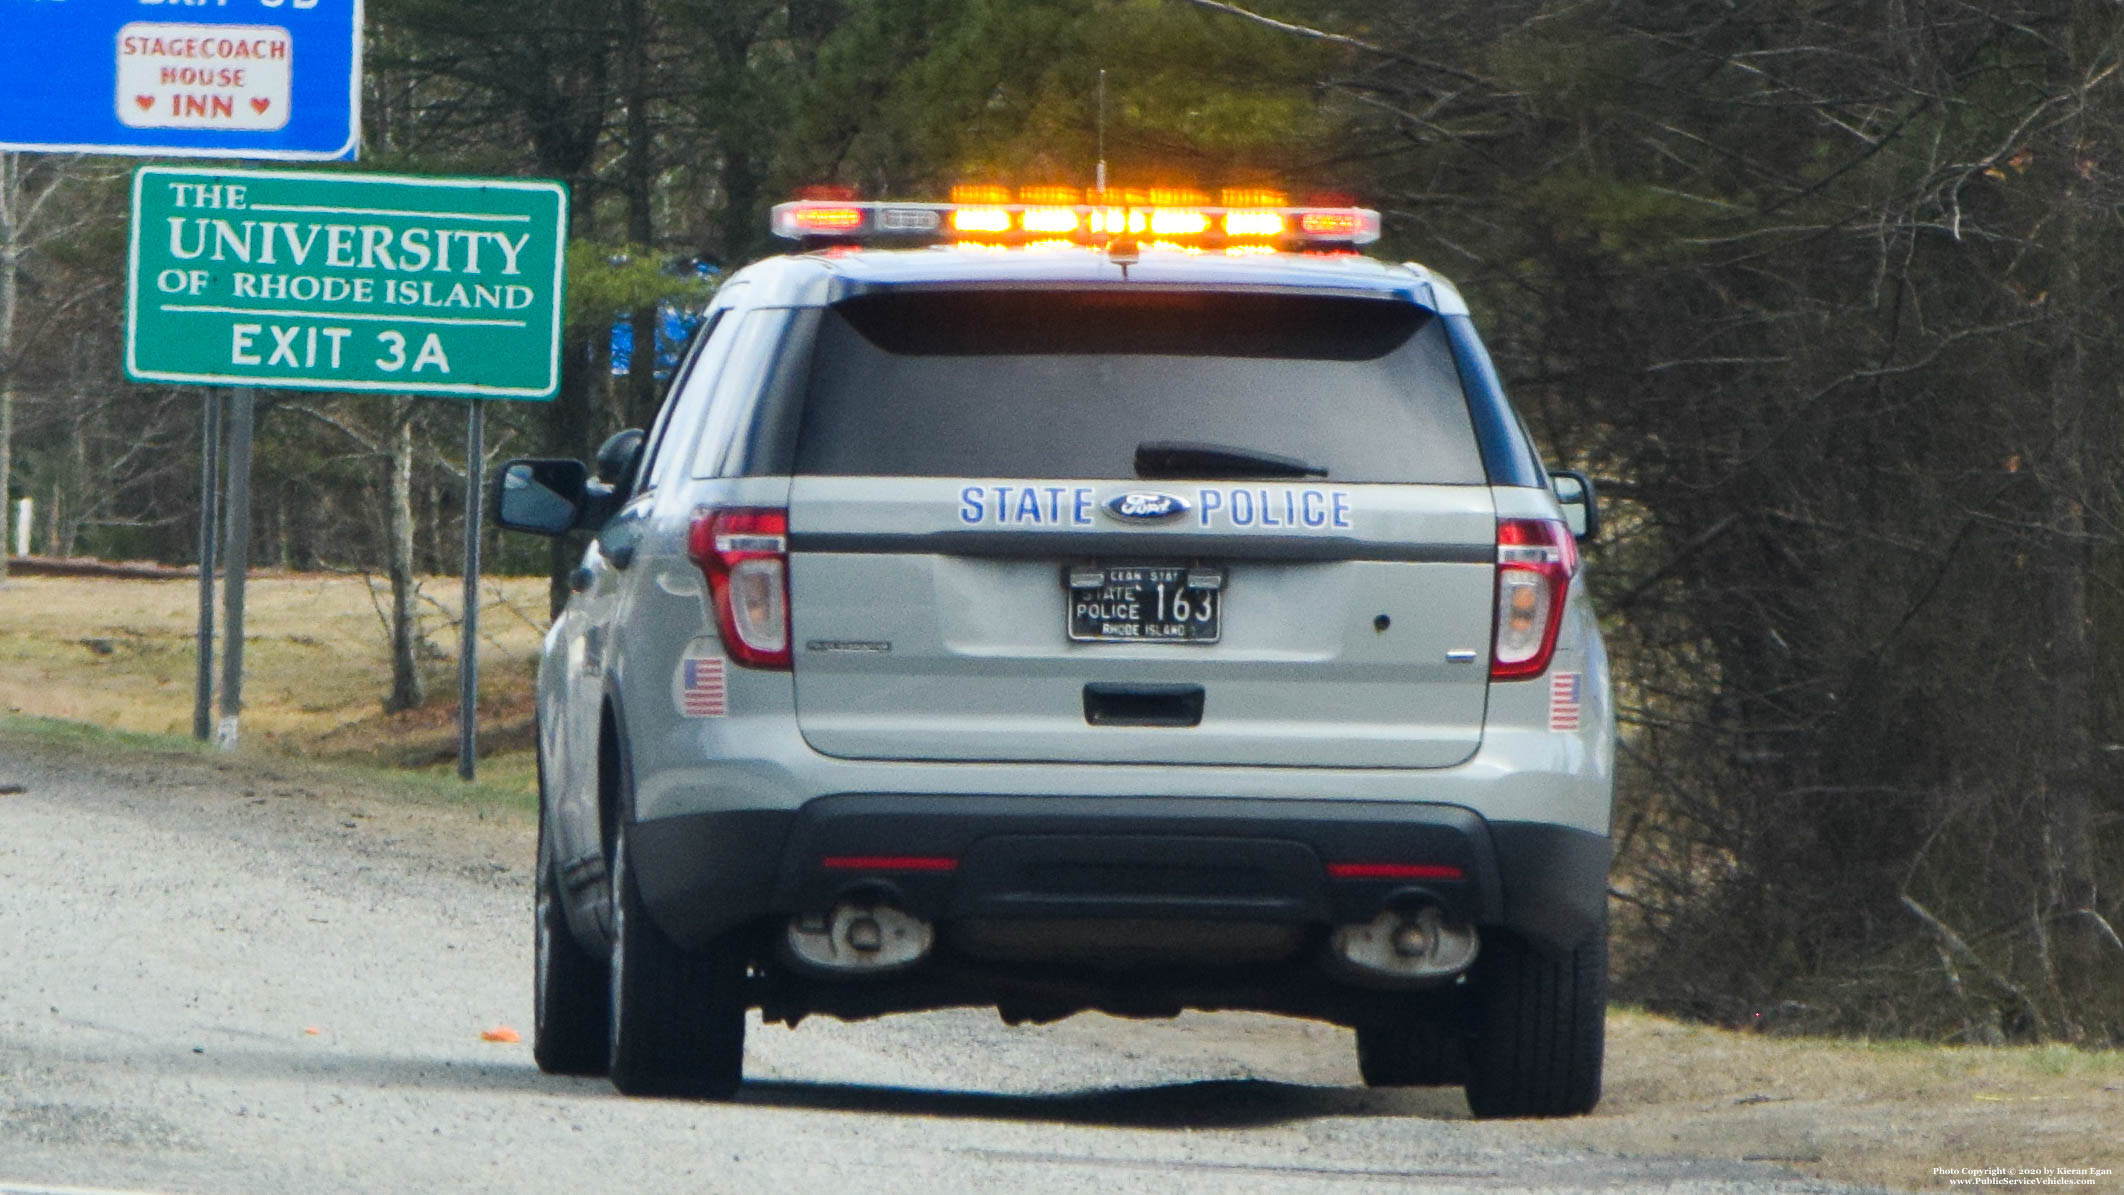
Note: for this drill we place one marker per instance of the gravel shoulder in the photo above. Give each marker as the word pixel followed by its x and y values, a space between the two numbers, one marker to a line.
pixel 236 974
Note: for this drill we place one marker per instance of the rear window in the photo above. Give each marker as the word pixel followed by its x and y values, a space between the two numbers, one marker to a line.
pixel 1063 384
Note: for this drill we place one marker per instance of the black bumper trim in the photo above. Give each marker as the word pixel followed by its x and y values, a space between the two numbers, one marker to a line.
pixel 703 873
pixel 1207 858
pixel 1555 881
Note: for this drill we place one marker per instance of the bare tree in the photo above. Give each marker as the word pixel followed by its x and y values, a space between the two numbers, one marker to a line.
pixel 396 447
pixel 407 691
pixel 45 201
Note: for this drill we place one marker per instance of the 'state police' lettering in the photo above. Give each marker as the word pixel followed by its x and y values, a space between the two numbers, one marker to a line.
pixel 1227 506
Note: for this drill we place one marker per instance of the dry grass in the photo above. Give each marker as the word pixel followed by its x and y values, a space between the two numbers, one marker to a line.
pixel 1877 1113
pixel 120 654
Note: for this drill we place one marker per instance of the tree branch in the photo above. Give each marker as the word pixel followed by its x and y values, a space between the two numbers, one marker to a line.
pixel 1951 941
pixel 1307 31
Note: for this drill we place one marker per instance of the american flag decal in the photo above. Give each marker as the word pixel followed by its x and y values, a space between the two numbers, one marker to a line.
pixel 1565 689
pixel 701 687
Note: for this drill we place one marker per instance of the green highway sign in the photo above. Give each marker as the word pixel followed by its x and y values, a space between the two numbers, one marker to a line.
pixel 326 281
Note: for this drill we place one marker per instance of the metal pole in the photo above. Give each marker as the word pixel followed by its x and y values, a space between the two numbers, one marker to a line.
pixel 209 508
pixel 1101 182
pixel 236 557
pixel 468 626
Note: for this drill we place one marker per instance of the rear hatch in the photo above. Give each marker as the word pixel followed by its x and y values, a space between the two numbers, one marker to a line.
pixel 1133 525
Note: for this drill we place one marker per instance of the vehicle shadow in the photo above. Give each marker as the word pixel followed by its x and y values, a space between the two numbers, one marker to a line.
pixel 1209 1103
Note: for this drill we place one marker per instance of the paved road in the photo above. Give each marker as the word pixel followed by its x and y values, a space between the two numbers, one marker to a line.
pixel 171 936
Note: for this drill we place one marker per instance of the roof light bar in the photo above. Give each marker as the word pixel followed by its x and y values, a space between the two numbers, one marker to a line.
pixel 980 219
pixel 991 215
pixel 1176 197
pixel 979 193
pixel 1119 221
pixel 1253 224
pixel 816 218
pixel 1179 221
pixel 1329 223
pixel 1049 219
pixel 909 219
pixel 1055 196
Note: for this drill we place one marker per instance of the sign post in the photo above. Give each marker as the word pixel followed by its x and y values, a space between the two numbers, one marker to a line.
pixel 387 284
pixel 468 628
pixel 209 487
pixel 236 563
pixel 260 79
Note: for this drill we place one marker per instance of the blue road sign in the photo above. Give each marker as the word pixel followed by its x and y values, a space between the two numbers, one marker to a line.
pixel 268 79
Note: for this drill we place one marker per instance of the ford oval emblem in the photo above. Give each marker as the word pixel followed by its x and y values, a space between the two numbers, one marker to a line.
pixel 1140 507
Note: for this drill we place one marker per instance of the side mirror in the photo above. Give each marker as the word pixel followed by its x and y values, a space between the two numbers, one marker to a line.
pixel 619 456
pixel 543 497
pixel 1581 510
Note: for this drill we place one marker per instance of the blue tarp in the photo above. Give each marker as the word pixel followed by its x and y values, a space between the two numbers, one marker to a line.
pixel 674 326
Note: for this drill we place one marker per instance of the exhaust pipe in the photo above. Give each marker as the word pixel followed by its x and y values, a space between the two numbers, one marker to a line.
pixel 1412 943
pixel 859 937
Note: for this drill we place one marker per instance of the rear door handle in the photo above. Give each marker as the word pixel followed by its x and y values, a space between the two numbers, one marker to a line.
pixel 1142 705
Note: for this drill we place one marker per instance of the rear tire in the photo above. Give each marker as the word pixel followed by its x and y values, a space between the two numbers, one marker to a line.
pixel 1412 1048
pixel 1540 1029
pixel 678 1016
pixel 571 987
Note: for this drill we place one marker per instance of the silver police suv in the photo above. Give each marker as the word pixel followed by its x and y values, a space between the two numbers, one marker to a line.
pixel 1075 627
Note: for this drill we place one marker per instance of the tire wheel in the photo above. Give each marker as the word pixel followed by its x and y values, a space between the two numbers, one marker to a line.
pixel 570 988
pixel 678 1016
pixel 1540 1028
pixel 1409 1048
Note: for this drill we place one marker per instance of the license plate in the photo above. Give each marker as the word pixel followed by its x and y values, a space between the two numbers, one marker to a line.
pixel 1137 603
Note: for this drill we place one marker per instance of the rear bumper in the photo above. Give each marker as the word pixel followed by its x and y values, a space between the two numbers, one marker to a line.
pixel 1151 858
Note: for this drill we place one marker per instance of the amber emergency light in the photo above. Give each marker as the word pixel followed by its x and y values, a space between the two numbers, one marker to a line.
pixel 1243 220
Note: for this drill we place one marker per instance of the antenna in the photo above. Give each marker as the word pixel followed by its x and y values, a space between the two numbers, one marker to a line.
pixel 1101 186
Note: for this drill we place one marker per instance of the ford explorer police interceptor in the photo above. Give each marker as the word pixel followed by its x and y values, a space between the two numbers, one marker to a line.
pixel 1051 605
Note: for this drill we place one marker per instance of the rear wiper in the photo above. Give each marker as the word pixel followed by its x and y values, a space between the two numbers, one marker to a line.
pixel 1181 458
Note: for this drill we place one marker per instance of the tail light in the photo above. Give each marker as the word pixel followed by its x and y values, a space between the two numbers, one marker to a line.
pixel 1536 559
pixel 744 553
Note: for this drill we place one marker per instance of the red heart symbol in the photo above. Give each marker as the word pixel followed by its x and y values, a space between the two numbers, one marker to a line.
pixel 260 104
pixel 145 101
